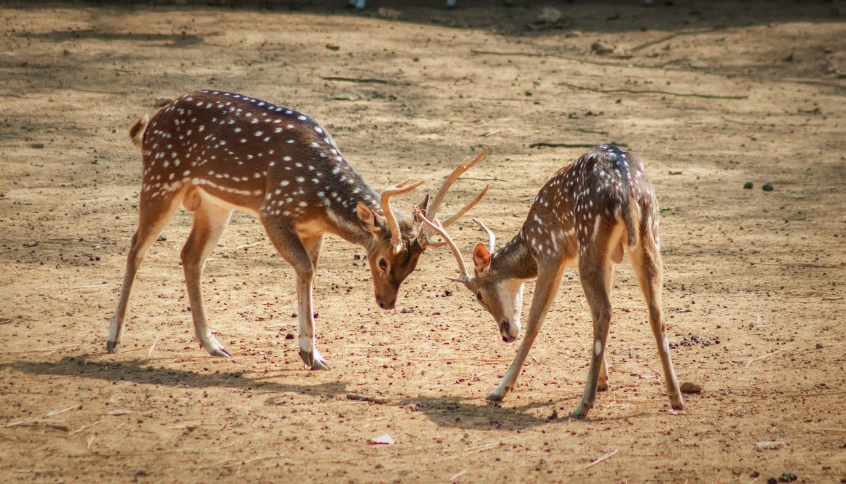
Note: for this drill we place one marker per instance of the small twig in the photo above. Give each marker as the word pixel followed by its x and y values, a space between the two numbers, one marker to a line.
pixel 482 449
pixel 98 92
pixel 832 298
pixel 58 412
pixel 597 461
pixel 766 356
pixel 570 145
pixel 249 245
pixel 152 347
pixel 360 80
pixel 650 91
pixel 568 58
pixel 85 427
pixel 457 475
pixel 48 349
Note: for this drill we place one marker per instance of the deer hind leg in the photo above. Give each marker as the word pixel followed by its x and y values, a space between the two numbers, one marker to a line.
pixel 154 214
pixel 302 255
pixel 209 222
pixel 593 272
pixel 646 260
pixel 602 384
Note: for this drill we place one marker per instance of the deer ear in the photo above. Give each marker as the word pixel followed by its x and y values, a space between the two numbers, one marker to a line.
pixel 481 258
pixel 424 204
pixel 368 220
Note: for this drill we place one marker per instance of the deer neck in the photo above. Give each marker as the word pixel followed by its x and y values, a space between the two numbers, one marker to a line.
pixel 515 260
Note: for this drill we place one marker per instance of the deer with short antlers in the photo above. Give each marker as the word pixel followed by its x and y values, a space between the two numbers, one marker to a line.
pixel 215 152
pixel 585 216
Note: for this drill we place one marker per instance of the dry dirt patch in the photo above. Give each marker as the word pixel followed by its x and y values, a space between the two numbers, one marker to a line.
pixel 710 95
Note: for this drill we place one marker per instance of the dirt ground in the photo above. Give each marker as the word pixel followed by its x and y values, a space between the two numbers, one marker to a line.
pixel 710 94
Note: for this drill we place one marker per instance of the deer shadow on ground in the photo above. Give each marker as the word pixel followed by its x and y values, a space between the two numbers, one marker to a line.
pixel 142 372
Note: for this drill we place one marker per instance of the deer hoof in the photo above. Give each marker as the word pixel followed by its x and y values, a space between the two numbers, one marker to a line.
pixel 313 360
pixel 220 351
pixel 112 346
pixel 602 387
pixel 495 397
pixel 580 412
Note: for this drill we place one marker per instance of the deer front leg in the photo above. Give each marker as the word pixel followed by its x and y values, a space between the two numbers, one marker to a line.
pixel 545 291
pixel 308 350
pixel 300 254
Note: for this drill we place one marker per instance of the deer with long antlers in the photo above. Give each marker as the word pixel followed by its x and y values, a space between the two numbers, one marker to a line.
pixel 215 152
pixel 585 216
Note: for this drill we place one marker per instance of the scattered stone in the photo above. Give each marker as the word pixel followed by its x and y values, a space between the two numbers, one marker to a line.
pixel 554 414
pixel 755 474
pixel 31 244
pixel 772 480
pixel 818 346
pixel 768 445
pixel 332 47
pixel 37 146
pixel 748 185
pixel 767 187
pixel 383 439
pixel 602 48
pixel 572 34
pixel 161 101
pixel 788 58
pixel 350 95
pixel 289 336
pixel 788 477
pixel 162 238
pixel 690 387
pixel 389 13
pixel 548 15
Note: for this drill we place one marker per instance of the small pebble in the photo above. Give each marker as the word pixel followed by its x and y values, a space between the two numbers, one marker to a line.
pixel 289 336
pixel 767 187
pixel 788 477
pixel 772 480
pixel 748 185
pixel 162 238
pixel 819 346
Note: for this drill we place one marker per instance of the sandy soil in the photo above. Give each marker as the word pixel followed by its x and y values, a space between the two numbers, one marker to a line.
pixel 754 289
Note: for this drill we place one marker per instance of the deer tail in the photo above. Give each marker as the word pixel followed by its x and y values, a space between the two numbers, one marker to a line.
pixel 630 217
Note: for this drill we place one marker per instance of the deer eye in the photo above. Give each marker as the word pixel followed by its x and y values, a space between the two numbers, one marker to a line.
pixel 383 264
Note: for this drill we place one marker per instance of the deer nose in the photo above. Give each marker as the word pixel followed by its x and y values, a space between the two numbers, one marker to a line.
pixel 387 305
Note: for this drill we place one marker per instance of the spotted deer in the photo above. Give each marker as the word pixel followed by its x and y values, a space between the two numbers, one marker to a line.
pixel 585 216
pixel 215 152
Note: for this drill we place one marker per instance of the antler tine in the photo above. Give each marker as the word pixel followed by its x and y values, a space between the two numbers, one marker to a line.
pixel 456 173
pixel 438 228
pixel 457 215
pixel 393 226
pixel 491 237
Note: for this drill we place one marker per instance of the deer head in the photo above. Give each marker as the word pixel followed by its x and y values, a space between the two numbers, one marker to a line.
pixel 398 242
pixel 494 287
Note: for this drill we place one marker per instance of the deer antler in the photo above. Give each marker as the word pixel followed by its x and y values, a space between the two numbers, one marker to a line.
pixel 438 228
pixel 393 226
pixel 432 210
pixel 491 237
